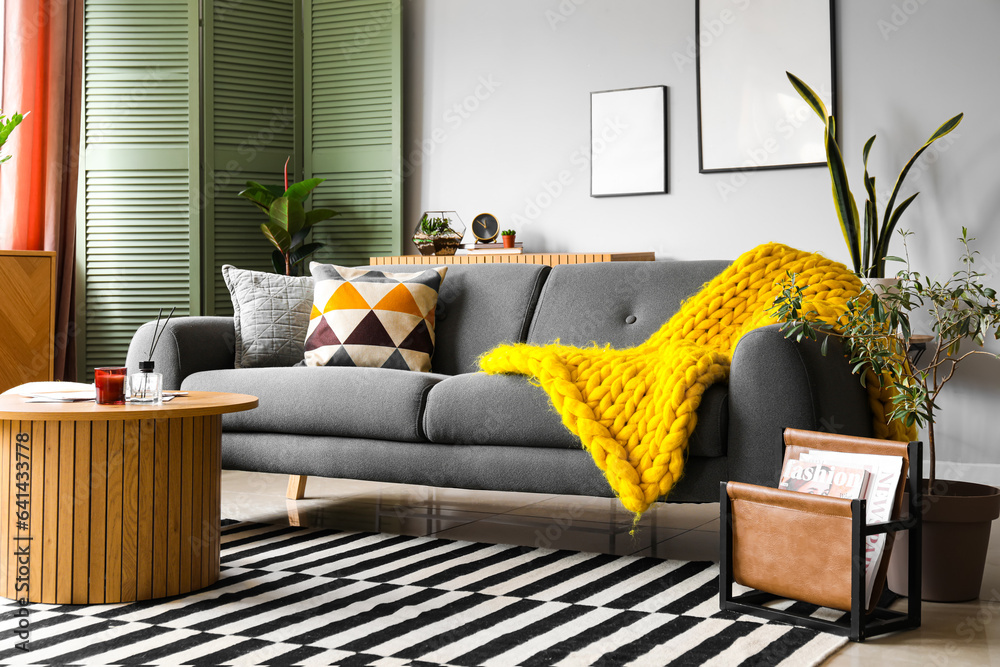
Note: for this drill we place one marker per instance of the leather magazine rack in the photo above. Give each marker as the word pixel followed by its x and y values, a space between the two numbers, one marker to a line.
pixel 792 545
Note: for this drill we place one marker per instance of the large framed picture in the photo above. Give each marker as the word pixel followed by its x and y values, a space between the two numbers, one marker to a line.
pixel 749 116
pixel 628 142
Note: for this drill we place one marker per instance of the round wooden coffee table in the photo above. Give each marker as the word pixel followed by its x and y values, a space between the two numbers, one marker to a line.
pixel 111 503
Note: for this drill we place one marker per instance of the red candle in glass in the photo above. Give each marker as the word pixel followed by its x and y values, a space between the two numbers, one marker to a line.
pixel 110 383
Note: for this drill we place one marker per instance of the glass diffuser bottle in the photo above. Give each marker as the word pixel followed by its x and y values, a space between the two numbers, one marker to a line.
pixel 146 386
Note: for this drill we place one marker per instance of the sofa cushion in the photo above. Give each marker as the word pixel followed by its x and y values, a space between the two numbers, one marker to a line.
pixel 271 314
pixel 480 409
pixel 376 403
pixel 621 303
pixel 372 318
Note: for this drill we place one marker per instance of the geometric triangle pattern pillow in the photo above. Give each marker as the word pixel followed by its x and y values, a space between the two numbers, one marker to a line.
pixel 371 318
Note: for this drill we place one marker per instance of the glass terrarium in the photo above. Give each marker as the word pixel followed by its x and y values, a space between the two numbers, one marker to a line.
pixel 439 233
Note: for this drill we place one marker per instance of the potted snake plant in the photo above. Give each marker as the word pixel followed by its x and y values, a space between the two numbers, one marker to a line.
pixel 868 243
pixel 877 335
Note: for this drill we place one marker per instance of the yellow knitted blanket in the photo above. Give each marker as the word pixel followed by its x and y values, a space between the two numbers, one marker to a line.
pixel 634 409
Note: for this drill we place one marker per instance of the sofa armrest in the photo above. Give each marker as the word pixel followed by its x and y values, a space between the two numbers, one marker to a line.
pixel 188 345
pixel 775 382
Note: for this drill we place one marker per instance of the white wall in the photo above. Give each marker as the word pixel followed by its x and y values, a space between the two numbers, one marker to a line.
pixel 497 111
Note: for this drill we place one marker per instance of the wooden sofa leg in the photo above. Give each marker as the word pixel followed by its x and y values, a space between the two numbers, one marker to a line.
pixel 296 487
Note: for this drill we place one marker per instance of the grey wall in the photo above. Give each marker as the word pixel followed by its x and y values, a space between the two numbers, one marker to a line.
pixel 497 120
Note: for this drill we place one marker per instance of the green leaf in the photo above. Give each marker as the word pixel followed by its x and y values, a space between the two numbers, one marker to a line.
pixel 7 126
pixel 948 126
pixel 887 227
pixel 871 215
pixel 278 237
pixel 275 190
pixel 810 96
pixel 843 199
pixel 278 262
pixel 318 215
pixel 301 253
pixel 258 195
pixel 300 191
pixel 288 214
pixel 869 247
pixel 867 149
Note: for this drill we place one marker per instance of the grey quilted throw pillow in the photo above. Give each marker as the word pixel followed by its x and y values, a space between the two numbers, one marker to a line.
pixel 271 313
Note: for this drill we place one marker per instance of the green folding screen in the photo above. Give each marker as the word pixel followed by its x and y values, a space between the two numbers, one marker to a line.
pixel 352 125
pixel 250 123
pixel 185 102
pixel 139 241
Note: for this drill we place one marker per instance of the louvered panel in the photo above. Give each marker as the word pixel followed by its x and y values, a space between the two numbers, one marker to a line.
pixel 253 75
pixel 353 130
pixel 366 223
pixel 136 241
pixel 133 268
pixel 250 79
pixel 136 73
pixel 353 75
pixel 237 238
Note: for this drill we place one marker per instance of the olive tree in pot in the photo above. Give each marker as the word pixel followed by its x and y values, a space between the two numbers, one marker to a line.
pixel 876 334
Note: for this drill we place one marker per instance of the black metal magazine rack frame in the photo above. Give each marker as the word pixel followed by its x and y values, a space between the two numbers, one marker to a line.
pixel 857 625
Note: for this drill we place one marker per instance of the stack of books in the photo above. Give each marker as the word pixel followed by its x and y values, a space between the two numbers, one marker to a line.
pixel 491 249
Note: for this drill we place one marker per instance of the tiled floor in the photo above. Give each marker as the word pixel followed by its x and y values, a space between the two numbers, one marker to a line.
pixel 951 635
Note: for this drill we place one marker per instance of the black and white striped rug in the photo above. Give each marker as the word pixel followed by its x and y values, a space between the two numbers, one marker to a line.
pixel 299 596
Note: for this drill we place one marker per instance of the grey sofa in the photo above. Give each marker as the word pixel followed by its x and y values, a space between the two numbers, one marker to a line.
pixel 455 427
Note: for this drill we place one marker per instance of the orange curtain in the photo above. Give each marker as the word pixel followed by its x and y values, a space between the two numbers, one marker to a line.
pixel 42 76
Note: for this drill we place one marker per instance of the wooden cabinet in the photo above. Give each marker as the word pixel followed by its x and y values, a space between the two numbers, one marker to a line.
pixel 550 258
pixel 27 316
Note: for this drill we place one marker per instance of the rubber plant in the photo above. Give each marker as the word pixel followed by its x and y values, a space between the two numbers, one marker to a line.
pixel 288 224
pixel 7 126
pixel 867 243
pixel 875 331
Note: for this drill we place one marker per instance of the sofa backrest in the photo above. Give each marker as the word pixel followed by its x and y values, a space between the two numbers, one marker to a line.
pixel 621 303
pixel 479 307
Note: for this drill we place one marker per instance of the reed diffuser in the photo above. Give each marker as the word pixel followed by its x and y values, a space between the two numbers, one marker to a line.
pixel 146 386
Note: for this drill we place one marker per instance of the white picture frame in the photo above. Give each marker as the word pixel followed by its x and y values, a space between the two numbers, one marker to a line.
pixel 749 116
pixel 628 142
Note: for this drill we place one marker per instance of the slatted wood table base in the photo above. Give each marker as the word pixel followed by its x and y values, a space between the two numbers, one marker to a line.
pixel 110 510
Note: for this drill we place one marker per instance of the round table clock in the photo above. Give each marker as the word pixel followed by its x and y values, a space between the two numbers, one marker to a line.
pixel 485 228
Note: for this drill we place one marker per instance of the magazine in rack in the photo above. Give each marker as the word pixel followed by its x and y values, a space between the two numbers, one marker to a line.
pixel 823 478
pixel 879 488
